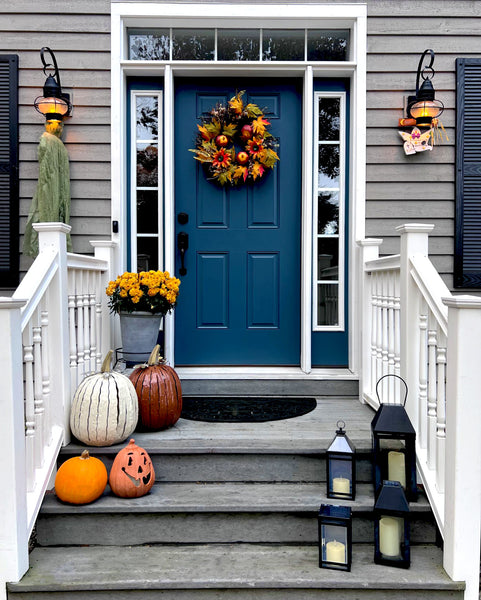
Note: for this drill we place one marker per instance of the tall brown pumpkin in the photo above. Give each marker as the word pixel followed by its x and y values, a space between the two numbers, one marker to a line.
pixel 159 392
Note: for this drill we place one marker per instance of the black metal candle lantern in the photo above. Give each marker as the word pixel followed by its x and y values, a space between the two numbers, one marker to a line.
pixel 341 466
pixel 54 104
pixel 394 446
pixel 424 107
pixel 335 537
pixel 391 527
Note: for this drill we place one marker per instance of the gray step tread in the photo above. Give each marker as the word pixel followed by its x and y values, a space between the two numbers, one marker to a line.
pixel 307 434
pixel 224 497
pixel 222 566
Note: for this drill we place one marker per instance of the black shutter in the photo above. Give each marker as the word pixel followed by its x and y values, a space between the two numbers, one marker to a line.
pixel 467 247
pixel 9 195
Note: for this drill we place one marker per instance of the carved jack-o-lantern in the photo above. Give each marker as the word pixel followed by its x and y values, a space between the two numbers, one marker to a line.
pixel 132 474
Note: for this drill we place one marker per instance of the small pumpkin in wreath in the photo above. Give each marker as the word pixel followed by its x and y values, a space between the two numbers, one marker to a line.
pixel 234 144
pixel 81 479
pixel 159 393
pixel 132 473
pixel 104 407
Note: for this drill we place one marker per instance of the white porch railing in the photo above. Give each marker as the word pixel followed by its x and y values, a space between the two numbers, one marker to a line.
pixel 55 328
pixel 414 327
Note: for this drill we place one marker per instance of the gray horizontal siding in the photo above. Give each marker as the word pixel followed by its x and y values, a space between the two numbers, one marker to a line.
pixel 79 34
pixel 399 188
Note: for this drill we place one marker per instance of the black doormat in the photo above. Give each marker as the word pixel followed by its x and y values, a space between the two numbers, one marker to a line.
pixel 245 409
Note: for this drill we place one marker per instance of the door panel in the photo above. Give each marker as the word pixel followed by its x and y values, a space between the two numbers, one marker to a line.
pixel 240 298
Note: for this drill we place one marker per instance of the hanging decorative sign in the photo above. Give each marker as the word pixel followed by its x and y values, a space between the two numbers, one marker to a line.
pixel 416 141
pixel 234 144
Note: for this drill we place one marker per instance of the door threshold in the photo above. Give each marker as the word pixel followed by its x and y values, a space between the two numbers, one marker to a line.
pixel 265 373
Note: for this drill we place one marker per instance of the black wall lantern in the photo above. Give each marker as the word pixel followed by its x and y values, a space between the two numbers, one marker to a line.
pixel 54 103
pixel 394 446
pixel 341 466
pixel 391 527
pixel 423 106
pixel 335 537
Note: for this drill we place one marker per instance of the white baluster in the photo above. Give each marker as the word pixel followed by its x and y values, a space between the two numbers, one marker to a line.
pixel 384 321
pixel 29 409
pixel 423 382
pixel 45 379
pixel 373 332
pixel 38 394
pixel 80 325
pixel 441 421
pixel 390 334
pixel 93 332
pixel 379 372
pixel 397 333
pixel 72 331
pixel 98 320
pixel 86 311
pixel 432 399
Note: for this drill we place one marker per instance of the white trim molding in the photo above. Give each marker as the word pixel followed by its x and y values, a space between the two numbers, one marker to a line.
pixel 351 16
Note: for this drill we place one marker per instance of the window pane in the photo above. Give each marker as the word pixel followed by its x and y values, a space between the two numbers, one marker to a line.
pixel 147 113
pixel 325 44
pixel 147 165
pixel 238 44
pixel 147 211
pixel 279 44
pixel 149 44
pixel 193 44
pixel 147 254
pixel 328 258
pixel 328 213
pixel 328 175
pixel 329 119
pixel 327 304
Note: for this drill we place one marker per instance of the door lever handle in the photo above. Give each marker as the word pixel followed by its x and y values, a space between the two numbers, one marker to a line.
pixel 182 245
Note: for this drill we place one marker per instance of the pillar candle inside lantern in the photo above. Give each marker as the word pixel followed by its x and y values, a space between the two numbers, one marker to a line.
pixel 336 552
pixel 341 485
pixel 390 536
pixel 396 467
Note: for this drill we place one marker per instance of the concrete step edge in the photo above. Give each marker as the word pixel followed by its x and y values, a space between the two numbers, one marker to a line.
pixel 223 566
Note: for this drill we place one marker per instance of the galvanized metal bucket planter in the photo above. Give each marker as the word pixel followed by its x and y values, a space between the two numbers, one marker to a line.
pixel 139 332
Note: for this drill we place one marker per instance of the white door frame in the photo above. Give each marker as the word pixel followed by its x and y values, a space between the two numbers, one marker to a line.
pixel 150 14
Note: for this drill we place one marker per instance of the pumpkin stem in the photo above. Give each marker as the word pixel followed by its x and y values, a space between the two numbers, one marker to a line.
pixel 106 364
pixel 154 357
pixel 85 454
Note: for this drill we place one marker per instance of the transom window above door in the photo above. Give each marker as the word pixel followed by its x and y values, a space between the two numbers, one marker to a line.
pixel 216 44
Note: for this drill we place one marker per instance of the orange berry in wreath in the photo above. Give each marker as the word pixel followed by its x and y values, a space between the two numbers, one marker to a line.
pixel 242 157
pixel 222 140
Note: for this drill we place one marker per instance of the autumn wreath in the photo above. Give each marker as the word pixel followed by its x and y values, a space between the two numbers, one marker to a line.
pixel 233 143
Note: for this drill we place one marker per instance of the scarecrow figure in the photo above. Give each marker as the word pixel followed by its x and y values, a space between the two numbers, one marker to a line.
pixel 51 201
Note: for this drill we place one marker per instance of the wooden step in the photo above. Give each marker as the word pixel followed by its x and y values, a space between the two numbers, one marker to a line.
pixel 213 513
pixel 228 571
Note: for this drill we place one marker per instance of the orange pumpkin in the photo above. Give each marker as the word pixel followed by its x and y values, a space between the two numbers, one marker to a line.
pixel 81 479
pixel 132 473
pixel 159 392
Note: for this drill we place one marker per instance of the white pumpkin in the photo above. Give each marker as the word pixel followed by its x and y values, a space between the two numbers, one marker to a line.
pixel 104 408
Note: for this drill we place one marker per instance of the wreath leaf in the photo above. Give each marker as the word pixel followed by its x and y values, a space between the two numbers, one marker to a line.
pixel 253 110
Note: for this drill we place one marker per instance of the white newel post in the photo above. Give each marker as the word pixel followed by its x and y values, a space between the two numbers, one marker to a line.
pixel 414 240
pixel 105 250
pixel 370 251
pixel 52 237
pixel 13 524
pixel 462 527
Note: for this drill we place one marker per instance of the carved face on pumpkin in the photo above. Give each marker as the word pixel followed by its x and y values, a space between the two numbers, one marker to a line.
pixel 132 474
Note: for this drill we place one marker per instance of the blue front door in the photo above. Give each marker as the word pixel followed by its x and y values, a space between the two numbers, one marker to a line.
pixel 240 297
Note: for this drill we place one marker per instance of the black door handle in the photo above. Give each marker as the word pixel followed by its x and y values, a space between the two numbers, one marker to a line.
pixel 182 245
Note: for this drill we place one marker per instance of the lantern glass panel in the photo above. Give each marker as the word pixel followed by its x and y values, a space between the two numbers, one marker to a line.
pixel 334 541
pixel 340 480
pixel 391 537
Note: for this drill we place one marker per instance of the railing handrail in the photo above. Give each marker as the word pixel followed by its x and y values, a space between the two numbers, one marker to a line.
pixel 383 264
pixel 84 261
pixel 432 288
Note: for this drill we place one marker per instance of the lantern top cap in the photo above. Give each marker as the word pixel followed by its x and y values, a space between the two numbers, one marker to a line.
pixel 392 419
pixel 392 498
pixel 335 511
pixel 341 443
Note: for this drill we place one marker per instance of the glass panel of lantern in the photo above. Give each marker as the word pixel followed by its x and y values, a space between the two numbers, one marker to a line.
pixel 341 466
pixel 335 537
pixel 394 447
pixel 391 527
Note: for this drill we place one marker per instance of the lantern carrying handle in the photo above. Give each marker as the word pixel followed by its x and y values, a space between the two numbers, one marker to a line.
pixel 392 375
